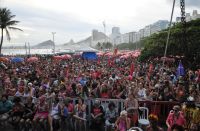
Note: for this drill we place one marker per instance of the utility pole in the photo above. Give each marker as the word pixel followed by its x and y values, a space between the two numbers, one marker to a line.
pixel 169 32
pixel 104 25
pixel 54 47
pixel 29 49
pixel 183 22
pixel 26 48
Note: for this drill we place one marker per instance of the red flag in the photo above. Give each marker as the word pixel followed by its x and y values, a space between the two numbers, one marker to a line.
pixel 98 62
pixel 115 51
pixel 132 69
pixel 150 67
pixel 150 70
pixel 109 62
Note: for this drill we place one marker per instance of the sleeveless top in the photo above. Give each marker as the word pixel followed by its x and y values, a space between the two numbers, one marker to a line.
pixel 42 108
pixel 79 112
pixel 122 125
pixel 54 109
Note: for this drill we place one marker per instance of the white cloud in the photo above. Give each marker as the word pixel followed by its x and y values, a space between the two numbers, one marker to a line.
pixel 76 18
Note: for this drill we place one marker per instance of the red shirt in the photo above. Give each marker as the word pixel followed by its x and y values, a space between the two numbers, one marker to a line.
pixel 104 95
pixel 70 107
pixel 180 120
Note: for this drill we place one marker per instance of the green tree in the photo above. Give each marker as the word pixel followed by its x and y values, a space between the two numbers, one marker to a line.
pixel 98 46
pixel 107 45
pixel 154 45
pixel 7 23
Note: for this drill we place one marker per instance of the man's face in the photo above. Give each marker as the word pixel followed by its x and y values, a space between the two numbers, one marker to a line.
pixel 3 99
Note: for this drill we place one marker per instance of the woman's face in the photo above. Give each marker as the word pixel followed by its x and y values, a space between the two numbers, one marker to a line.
pixel 80 101
pixel 29 100
pixel 118 87
pixel 130 96
pixel 112 108
pixel 4 99
pixel 123 117
pixel 140 85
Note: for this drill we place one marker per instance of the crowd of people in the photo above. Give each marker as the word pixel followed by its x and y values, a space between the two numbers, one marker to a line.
pixel 107 78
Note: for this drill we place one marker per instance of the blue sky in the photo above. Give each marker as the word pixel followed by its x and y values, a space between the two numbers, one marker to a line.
pixel 74 19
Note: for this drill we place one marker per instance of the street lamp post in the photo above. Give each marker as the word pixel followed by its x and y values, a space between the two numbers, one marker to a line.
pixel 104 25
pixel 54 47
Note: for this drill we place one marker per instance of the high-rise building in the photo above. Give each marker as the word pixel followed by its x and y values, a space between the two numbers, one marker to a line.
pixel 125 38
pixel 116 35
pixel 147 31
pixel 141 33
pixel 188 17
pixel 195 15
pixel 158 26
pixel 132 37
pixel 115 30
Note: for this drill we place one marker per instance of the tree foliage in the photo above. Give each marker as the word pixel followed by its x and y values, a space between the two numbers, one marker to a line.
pixel 107 45
pixel 7 23
pixel 131 46
pixel 154 45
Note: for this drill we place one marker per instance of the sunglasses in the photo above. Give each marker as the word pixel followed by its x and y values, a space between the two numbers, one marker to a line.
pixel 175 110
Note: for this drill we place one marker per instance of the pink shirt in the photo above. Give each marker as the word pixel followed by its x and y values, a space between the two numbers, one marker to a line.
pixel 180 120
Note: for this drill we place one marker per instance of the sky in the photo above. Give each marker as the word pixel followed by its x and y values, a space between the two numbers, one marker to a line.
pixel 75 19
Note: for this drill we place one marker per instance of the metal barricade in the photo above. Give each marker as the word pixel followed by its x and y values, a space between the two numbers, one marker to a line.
pixel 160 108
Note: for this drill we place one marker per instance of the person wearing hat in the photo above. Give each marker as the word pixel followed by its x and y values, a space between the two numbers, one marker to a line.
pixel 123 122
pixel 175 117
pixel 32 89
pixel 97 116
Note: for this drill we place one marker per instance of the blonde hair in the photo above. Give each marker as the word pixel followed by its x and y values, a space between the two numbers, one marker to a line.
pixel 123 113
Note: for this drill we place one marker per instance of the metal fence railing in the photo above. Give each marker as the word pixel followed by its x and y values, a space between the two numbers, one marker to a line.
pixel 160 108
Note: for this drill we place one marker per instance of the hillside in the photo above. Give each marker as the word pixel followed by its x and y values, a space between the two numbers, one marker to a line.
pixel 46 44
pixel 71 42
pixel 97 37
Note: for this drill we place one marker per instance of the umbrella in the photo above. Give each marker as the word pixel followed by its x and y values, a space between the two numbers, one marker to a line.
pixel 32 59
pixel 180 70
pixel 124 57
pixel 17 59
pixel 57 58
pixel 66 57
pixel 4 59
pixel 99 54
pixel 108 54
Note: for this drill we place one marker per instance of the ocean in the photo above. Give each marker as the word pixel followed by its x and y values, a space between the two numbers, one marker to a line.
pixel 24 52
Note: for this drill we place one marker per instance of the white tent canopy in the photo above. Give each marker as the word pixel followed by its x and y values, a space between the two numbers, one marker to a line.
pixel 78 48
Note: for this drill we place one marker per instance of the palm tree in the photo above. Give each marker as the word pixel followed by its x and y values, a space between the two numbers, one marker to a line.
pixel 7 23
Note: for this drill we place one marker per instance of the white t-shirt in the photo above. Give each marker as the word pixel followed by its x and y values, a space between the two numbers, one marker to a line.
pixel 142 93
